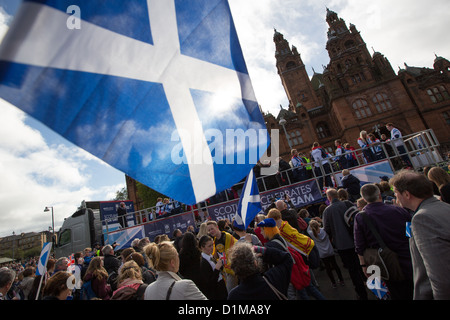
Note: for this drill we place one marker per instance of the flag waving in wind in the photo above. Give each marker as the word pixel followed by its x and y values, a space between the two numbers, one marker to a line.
pixel 158 89
pixel 249 203
pixel 43 258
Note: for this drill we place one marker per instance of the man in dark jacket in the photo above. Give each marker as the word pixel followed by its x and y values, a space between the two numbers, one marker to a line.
pixel 390 222
pixel 289 215
pixel 351 184
pixel 336 228
pixel 122 215
pixel 110 262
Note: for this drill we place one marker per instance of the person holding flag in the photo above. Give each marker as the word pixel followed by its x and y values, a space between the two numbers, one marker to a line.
pixel 223 241
pixel 296 240
pixel 250 202
pixel 248 207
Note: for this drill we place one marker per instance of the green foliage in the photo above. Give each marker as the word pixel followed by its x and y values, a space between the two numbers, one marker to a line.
pixel 147 196
pixel 121 194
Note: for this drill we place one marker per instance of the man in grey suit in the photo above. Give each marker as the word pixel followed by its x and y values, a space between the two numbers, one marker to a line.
pixel 430 235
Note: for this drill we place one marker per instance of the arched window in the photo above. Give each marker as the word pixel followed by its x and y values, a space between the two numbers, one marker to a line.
pixel 446 116
pixel 322 130
pixel 349 43
pixel 296 137
pixel 361 109
pixel 290 65
pixel 438 94
pixel 382 102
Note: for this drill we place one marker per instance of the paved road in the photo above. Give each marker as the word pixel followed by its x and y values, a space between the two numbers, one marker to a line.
pixel 345 292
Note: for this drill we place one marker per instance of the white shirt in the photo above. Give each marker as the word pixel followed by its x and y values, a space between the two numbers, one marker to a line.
pixel 316 154
pixel 211 260
pixel 396 137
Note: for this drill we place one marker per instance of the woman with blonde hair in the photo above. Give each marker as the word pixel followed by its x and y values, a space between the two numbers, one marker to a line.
pixel 365 143
pixel 163 257
pixel 442 180
pixel 129 282
pixel 148 275
pixel 202 230
pixel 98 276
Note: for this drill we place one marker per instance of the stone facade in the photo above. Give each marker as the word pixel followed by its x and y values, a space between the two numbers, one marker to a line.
pixel 356 91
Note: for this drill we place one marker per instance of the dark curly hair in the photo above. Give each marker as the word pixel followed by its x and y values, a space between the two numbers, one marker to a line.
pixel 243 260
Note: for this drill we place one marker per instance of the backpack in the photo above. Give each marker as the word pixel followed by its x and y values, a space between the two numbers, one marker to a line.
pixel 87 293
pixel 300 276
pixel 323 153
pixel 112 280
pixel 313 260
pixel 349 217
pixel 129 293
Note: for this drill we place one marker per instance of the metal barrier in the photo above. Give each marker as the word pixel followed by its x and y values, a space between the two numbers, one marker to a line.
pixel 422 149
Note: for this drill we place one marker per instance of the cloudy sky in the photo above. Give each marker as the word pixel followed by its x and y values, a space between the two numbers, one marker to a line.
pixel 39 169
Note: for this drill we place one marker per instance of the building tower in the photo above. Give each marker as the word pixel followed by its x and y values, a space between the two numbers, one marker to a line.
pixel 351 66
pixel 294 77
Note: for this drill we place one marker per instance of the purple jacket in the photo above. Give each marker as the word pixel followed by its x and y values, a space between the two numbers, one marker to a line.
pixel 390 221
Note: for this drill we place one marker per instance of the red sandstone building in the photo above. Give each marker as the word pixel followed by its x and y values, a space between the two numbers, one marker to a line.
pixel 357 91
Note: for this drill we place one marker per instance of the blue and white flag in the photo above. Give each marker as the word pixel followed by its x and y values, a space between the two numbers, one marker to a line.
pixel 249 203
pixel 378 288
pixel 43 258
pixel 158 89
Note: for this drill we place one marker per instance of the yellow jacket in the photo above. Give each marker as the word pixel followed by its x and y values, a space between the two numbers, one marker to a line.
pixel 221 251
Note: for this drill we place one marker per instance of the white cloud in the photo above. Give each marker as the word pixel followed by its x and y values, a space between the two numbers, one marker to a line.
pixel 5 19
pixel 36 175
pixel 403 30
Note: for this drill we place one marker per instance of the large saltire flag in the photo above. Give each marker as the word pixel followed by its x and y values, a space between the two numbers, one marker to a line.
pixel 249 203
pixel 43 259
pixel 158 89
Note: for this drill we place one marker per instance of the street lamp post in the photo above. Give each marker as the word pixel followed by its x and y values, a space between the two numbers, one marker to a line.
pixel 13 238
pixel 53 222
pixel 283 124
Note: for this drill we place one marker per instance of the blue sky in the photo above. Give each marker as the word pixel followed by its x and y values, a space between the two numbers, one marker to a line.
pixel 39 168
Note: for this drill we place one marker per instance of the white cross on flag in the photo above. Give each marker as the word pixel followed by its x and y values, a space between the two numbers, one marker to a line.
pixel 43 259
pixel 148 86
pixel 250 202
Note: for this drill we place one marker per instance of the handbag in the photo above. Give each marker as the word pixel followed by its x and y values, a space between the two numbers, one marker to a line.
pixel 383 257
pixel 169 292
pixel 279 295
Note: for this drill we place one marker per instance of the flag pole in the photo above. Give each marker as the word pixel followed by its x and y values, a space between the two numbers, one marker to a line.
pixel 43 271
pixel 40 284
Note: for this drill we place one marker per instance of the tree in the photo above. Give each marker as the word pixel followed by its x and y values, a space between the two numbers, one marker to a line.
pixel 147 196
pixel 121 194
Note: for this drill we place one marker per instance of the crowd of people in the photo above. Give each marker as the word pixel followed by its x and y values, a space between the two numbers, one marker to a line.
pixel 276 257
pixel 320 162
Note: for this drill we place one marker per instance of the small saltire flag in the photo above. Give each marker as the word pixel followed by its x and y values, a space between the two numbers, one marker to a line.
pixel 378 288
pixel 158 89
pixel 250 203
pixel 408 229
pixel 43 258
pixel 71 263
